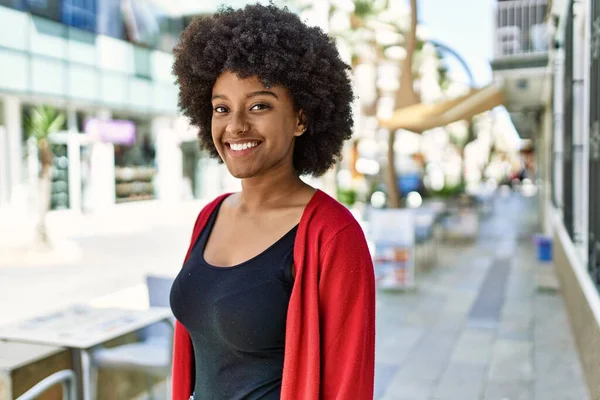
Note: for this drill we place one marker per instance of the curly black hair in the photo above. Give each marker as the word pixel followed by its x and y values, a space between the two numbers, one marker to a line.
pixel 274 45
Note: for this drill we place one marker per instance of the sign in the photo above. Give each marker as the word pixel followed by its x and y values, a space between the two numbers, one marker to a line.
pixel 111 131
pixel 393 234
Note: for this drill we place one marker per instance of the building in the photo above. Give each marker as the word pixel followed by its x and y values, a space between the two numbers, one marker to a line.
pixel 547 55
pixel 107 65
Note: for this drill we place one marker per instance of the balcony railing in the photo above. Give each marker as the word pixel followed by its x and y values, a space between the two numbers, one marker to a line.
pixel 521 28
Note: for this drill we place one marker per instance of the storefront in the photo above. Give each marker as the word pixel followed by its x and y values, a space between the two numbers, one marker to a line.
pixel 103 158
pixel 135 160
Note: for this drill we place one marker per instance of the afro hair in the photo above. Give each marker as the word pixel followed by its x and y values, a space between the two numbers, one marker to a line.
pixel 274 45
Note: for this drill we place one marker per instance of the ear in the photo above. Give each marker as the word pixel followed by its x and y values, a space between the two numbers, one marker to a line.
pixel 301 124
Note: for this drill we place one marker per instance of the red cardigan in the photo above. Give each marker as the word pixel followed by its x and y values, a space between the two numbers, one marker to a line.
pixel 330 327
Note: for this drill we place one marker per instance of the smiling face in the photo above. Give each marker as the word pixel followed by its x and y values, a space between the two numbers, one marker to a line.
pixel 253 127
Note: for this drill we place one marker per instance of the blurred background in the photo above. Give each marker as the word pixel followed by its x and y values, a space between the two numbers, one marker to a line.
pixel 473 168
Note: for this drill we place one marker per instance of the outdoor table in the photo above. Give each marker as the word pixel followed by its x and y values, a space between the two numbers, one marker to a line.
pixel 80 328
pixel 22 365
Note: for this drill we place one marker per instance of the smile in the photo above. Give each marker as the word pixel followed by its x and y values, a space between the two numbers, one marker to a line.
pixel 242 146
pixel 242 149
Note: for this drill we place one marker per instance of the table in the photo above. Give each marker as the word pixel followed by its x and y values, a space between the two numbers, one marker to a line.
pixel 22 365
pixel 81 328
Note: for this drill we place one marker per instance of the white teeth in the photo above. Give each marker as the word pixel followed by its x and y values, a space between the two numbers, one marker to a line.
pixel 242 146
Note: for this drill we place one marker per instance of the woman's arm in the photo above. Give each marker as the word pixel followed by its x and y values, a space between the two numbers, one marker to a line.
pixel 183 364
pixel 183 352
pixel 347 317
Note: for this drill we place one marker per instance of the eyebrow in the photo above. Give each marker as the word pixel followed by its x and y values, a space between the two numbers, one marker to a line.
pixel 251 94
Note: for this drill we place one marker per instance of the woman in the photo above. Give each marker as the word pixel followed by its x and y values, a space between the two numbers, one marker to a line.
pixel 276 298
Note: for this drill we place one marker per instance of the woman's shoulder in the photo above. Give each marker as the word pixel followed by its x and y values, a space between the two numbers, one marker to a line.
pixel 330 214
pixel 210 206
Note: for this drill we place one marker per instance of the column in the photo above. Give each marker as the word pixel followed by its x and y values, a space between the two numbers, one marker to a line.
pixel 4 168
pixel 74 156
pixel 546 184
pixel 102 172
pixel 557 159
pixel 14 137
pixel 169 160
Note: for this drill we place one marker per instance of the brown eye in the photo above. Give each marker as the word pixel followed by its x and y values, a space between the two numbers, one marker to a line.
pixel 220 109
pixel 260 106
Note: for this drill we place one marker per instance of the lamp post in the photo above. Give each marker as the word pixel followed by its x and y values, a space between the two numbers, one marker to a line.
pixel 471 128
pixel 458 57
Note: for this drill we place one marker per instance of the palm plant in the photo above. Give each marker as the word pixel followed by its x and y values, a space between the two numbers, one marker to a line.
pixel 40 123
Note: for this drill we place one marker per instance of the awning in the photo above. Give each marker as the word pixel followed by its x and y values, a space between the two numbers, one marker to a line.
pixel 421 117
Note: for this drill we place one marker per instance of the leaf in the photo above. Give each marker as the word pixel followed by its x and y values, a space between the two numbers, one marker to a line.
pixel 41 121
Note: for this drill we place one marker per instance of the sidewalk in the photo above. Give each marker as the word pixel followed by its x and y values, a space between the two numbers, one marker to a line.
pixel 105 253
pixel 477 328
pixel 67 228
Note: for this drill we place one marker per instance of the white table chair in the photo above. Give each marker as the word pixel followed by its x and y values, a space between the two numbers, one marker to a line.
pixel 152 355
pixel 65 377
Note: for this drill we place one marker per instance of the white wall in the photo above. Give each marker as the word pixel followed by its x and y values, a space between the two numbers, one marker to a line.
pixel 169 160
pixel 102 172
pixel 4 176
pixel 14 187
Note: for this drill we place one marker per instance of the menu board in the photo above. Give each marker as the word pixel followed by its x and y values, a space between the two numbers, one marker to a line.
pixel 393 234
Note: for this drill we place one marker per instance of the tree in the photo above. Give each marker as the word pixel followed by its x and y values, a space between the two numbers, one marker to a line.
pixel 40 123
pixel 367 18
pixel 405 96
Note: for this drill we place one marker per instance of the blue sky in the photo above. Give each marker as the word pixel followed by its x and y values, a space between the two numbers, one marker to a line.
pixel 464 25
pixel 467 27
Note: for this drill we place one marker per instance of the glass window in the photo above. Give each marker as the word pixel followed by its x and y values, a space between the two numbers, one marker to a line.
pixel 80 14
pixel 16 4
pixel 110 20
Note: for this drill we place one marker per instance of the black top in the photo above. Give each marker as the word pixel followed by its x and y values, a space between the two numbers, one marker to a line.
pixel 236 319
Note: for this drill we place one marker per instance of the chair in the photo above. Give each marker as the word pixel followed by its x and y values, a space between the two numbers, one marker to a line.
pixel 152 355
pixel 65 377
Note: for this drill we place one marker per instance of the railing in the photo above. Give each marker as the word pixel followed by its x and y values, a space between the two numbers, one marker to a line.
pixel 594 140
pixel 521 28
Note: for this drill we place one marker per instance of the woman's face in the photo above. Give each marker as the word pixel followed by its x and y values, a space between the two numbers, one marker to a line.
pixel 253 127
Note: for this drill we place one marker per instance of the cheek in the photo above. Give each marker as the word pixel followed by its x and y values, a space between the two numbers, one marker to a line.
pixel 215 132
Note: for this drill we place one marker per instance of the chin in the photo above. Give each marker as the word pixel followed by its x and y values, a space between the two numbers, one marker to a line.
pixel 241 173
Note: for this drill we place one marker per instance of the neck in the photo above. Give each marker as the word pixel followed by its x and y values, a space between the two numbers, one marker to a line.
pixel 269 191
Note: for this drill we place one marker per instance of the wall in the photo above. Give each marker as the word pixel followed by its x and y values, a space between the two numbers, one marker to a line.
pixel 583 304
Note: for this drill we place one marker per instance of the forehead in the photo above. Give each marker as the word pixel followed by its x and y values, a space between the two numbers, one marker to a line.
pixel 230 84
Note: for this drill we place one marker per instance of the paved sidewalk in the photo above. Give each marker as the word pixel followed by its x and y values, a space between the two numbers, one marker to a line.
pixel 476 327
pixel 100 255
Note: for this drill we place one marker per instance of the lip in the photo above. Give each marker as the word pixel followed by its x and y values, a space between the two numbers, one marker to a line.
pixel 241 153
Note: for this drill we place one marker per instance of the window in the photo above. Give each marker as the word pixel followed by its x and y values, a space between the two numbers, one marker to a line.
pixel 80 14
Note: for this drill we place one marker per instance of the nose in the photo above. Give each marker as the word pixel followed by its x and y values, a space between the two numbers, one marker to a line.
pixel 237 124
